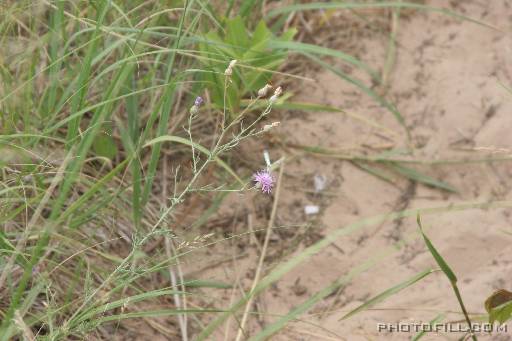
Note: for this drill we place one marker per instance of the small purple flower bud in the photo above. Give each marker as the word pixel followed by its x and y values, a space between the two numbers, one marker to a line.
pixel 264 180
pixel 198 101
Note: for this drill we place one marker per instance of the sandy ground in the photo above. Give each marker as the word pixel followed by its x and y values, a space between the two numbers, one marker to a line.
pixel 445 83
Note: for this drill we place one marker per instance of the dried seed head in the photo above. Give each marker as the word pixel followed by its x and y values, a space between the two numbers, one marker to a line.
pixel 263 91
pixel 276 94
pixel 229 70
pixel 267 127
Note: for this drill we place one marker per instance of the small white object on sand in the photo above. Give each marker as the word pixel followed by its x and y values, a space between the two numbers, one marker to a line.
pixel 319 182
pixel 311 209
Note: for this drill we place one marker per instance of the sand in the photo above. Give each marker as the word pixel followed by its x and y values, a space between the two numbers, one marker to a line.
pixel 446 83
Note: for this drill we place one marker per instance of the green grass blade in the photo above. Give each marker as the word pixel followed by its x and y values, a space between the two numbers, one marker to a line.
pixel 324 51
pixel 354 5
pixel 296 312
pixel 248 7
pixel 85 71
pixel 387 293
pixel 91 191
pixel 132 106
pixel 414 175
pixel 439 259
pixel 57 18
pixel 198 283
pixel 374 171
pixel 169 138
pixel 364 89
pixel 283 268
pixel 154 313
pixel 124 301
pixel 164 110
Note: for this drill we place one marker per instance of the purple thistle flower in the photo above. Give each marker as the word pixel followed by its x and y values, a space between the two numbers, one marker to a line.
pixel 198 101
pixel 264 180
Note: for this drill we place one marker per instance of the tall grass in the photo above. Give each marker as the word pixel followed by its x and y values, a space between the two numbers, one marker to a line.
pixel 102 155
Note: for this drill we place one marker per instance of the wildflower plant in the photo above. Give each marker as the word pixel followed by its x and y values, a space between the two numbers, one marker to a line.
pixel 264 180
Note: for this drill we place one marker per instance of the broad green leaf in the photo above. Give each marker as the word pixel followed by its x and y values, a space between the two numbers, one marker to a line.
pixel 261 33
pixel 237 35
pixel 104 145
pixel 499 306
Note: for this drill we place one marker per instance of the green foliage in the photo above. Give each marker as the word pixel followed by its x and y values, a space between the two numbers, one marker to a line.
pixel 256 60
pixel 437 256
pixel 448 272
pixel 499 306
pixel 104 145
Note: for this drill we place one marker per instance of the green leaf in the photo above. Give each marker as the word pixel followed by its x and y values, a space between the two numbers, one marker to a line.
pixel 237 35
pixel 248 6
pixel 501 314
pixel 374 171
pixel 288 35
pixel 422 178
pixel 261 33
pixel 104 145
pixel 439 259
pixel 499 306
pixel 387 293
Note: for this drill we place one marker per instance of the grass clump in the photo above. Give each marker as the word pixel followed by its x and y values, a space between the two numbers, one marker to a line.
pixel 91 96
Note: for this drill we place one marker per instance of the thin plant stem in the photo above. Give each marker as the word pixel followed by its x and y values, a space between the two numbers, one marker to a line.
pixel 262 255
pixel 459 298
